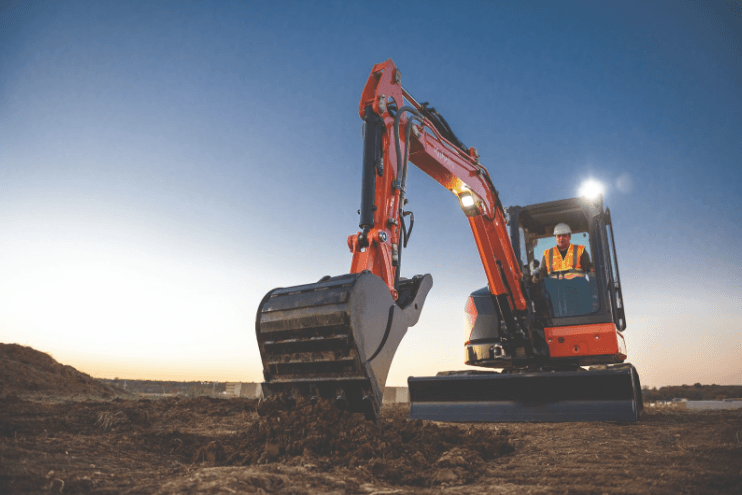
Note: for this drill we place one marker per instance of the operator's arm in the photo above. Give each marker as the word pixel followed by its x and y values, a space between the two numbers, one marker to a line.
pixel 541 273
pixel 585 262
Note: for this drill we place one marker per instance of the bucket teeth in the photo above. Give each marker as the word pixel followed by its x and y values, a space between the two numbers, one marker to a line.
pixel 335 338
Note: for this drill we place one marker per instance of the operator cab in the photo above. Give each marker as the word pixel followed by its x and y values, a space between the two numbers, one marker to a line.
pixel 571 297
pixel 573 313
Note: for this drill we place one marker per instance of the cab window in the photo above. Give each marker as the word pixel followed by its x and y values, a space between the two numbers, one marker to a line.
pixel 569 292
pixel 542 245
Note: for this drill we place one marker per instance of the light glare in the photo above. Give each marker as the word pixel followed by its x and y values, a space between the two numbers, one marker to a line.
pixel 591 189
pixel 467 201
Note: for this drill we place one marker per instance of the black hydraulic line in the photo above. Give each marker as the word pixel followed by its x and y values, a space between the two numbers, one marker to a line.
pixel 372 165
pixel 405 237
pixel 392 108
pixel 402 166
pixel 442 126
pixel 402 160
pixel 408 232
pixel 386 333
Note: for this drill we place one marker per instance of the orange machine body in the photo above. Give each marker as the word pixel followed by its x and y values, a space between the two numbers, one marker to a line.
pixel 598 339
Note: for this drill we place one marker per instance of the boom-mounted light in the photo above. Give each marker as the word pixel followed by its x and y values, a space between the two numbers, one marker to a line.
pixel 468 202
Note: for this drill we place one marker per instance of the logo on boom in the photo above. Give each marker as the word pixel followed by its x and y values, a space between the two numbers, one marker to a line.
pixel 442 156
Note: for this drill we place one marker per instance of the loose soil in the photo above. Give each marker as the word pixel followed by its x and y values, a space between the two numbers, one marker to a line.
pixel 78 439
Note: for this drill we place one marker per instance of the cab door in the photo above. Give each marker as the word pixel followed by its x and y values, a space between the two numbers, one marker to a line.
pixel 613 277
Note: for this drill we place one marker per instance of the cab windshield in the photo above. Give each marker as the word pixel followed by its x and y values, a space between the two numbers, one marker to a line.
pixel 569 291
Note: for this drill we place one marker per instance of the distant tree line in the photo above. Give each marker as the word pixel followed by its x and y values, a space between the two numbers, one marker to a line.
pixel 188 389
pixel 692 392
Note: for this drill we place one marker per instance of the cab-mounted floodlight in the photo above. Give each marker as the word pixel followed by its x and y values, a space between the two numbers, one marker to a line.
pixel 591 190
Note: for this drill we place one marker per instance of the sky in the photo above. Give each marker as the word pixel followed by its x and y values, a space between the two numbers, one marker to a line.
pixel 163 165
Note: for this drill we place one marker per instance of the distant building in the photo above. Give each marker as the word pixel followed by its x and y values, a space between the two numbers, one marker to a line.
pixel 394 395
pixel 713 404
pixel 233 389
pixel 710 404
pixel 248 390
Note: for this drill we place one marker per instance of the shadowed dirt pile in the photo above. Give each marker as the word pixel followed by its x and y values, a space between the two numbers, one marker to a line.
pixel 26 371
pixel 394 449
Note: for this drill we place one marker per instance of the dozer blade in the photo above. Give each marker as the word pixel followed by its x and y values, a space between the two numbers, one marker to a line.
pixel 612 394
pixel 336 339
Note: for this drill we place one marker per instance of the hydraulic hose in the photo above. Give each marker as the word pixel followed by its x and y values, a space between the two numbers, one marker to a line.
pixel 402 165
pixel 402 162
pixel 372 167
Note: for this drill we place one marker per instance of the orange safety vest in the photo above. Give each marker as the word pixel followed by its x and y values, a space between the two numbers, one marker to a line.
pixel 555 262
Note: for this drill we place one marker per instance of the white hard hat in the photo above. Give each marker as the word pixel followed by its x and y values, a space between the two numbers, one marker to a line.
pixel 562 229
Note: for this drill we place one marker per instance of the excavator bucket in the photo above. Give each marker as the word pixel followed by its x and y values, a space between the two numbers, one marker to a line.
pixel 335 339
pixel 611 394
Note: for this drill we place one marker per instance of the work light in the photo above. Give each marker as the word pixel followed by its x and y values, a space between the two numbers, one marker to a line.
pixel 468 203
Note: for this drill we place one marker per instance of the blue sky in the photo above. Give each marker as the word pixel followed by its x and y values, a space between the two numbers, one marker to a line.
pixel 164 164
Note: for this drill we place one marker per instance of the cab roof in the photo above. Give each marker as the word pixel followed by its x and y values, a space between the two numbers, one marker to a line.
pixel 540 219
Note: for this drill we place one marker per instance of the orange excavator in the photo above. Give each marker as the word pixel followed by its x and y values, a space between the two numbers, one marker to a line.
pixel 554 333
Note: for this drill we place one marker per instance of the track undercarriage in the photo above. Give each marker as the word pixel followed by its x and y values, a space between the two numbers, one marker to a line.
pixel 608 394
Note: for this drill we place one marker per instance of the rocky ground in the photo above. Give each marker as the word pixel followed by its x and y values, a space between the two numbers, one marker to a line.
pixel 79 437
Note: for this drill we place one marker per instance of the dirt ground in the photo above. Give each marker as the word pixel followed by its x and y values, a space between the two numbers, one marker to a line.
pixel 93 440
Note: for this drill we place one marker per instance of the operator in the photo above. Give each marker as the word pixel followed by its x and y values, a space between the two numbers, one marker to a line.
pixel 564 257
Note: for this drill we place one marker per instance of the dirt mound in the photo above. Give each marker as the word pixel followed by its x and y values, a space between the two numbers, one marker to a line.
pixel 199 446
pixel 395 450
pixel 26 371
